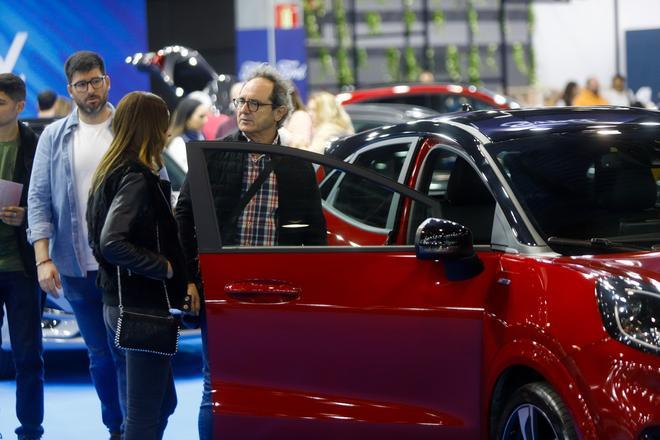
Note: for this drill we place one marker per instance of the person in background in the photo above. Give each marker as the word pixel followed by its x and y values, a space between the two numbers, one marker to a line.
pixel 68 152
pixel 619 94
pixel 230 126
pixel 298 127
pixel 46 102
pixel 62 107
pixel 426 77
pixel 590 95
pixel 214 117
pixel 19 290
pixel 131 231
pixel 262 106
pixel 330 121
pixel 187 122
pixel 570 92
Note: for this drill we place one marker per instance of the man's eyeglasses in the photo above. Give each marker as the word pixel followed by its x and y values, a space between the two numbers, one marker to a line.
pixel 253 104
pixel 82 86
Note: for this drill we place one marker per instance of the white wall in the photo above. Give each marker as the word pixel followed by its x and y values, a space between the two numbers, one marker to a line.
pixel 575 40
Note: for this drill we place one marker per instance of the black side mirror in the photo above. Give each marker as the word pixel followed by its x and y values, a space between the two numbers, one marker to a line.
pixel 450 242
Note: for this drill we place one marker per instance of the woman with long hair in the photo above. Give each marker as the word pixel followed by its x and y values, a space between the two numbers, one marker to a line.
pixel 132 232
pixel 188 120
pixel 330 120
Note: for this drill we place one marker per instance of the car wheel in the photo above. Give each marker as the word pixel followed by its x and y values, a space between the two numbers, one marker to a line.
pixel 536 412
pixel 6 365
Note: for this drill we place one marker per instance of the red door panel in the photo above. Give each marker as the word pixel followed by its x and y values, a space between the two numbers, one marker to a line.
pixel 323 345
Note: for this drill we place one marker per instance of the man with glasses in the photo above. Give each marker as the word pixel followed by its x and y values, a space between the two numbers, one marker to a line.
pixel 288 191
pixel 67 155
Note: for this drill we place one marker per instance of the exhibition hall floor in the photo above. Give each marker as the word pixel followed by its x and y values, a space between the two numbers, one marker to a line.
pixel 72 410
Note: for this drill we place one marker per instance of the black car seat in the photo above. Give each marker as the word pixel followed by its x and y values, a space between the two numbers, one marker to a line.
pixel 469 202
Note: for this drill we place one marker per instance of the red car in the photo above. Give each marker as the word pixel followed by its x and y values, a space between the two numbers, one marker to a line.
pixel 492 274
pixel 443 98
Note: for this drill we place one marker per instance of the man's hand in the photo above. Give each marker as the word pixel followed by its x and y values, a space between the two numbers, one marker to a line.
pixel 12 215
pixel 49 278
pixel 195 302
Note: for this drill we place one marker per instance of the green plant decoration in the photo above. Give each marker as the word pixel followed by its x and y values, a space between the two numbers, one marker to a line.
pixel 518 54
pixel 474 65
pixel 438 16
pixel 531 23
pixel 430 59
pixel 312 11
pixel 472 17
pixel 491 61
pixel 453 63
pixel 374 22
pixel 393 61
pixel 412 68
pixel 409 16
pixel 362 57
pixel 344 73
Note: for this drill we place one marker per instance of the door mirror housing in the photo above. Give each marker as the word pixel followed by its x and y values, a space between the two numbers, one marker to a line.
pixel 451 243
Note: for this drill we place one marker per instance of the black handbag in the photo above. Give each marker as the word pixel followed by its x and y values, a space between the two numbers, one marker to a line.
pixel 142 330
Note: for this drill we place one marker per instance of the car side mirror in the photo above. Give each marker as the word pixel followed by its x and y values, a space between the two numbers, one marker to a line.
pixel 451 243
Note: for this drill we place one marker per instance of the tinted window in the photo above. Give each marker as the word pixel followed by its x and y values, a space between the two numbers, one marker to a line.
pixel 363 200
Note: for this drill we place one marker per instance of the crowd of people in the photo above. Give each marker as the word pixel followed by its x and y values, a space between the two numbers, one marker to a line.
pixel 94 223
pixel 592 94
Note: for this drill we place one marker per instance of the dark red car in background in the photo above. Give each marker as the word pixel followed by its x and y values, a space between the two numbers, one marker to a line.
pixel 491 274
pixel 443 98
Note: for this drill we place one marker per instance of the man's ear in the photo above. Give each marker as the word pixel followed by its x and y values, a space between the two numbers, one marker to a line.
pixel 280 113
pixel 70 90
pixel 20 106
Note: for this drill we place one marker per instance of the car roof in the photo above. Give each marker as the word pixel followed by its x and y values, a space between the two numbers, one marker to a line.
pixel 504 125
pixel 390 112
pixel 499 101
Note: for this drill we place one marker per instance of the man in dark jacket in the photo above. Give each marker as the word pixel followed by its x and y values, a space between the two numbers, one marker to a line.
pixel 19 290
pixel 285 209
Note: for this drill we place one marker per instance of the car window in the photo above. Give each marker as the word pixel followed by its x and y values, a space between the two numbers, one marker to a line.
pixel 420 100
pixel 464 197
pixel 288 208
pixel 363 200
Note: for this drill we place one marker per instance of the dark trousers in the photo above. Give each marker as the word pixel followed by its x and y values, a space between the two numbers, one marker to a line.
pixel 21 297
pixel 150 394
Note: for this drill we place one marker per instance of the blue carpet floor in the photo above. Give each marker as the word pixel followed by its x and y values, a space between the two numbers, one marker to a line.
pixel 72 410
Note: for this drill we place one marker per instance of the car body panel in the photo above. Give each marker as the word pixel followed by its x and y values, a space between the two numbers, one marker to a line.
pixel 362 339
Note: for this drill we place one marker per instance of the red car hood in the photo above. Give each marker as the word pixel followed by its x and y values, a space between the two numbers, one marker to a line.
pixel 646 264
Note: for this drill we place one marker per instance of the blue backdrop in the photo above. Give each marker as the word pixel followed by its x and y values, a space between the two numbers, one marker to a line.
pixel 36 37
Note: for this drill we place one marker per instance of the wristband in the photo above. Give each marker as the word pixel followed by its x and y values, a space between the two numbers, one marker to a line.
pixel 43 261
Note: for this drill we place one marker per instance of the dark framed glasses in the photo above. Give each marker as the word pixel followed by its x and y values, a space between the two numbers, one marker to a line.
pixel 82 86
pixel 253 104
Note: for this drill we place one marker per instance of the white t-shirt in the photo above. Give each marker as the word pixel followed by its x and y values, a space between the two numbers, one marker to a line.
pixel 90 142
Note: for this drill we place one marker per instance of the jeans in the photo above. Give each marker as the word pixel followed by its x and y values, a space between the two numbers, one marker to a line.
pixel 107 365
pixel 205 419
pixel 151 396
pixel 22 299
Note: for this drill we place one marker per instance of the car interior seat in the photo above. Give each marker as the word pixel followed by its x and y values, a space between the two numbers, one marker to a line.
pixel 469 202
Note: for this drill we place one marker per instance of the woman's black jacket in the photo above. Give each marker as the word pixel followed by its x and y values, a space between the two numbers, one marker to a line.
pixel 129 219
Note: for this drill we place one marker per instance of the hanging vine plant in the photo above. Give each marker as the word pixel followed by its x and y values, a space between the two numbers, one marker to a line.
pixel 453 63
pixel 313 10
pixel 374 22
pixel 410 58
pixel 438 16
pixel 474 58
pixel 393 61
pixel 531 22
pixel 344 71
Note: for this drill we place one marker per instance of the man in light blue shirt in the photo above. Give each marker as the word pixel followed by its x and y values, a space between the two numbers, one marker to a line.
pixel 67 155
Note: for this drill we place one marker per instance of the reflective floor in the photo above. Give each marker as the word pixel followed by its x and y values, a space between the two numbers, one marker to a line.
pixel 72 410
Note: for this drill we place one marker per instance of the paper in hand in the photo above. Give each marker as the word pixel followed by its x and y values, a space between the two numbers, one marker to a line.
pixel 10 193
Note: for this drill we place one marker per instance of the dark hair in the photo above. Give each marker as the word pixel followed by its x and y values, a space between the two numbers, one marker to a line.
pixel 183 111
pixel 13 86
pixel 569 93
pixel 83 61
pixel 46 99
pixel 281 95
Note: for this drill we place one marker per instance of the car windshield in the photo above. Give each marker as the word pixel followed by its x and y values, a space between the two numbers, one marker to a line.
pixel 595 188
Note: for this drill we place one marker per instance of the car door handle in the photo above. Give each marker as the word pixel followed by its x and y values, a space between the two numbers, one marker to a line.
pixel 262 291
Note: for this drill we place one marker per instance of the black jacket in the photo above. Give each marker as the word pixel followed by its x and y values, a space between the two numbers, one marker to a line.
pixel 299 201
pixel 129 218
pixel 22 171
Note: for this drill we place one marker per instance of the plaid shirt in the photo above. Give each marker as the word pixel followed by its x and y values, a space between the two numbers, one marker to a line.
pixel 256 224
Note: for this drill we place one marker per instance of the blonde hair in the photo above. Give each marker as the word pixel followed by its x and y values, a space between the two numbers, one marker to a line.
pixel 140 132
pixel 327 110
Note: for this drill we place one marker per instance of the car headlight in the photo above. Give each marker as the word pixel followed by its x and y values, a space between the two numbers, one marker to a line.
pixel 631 311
